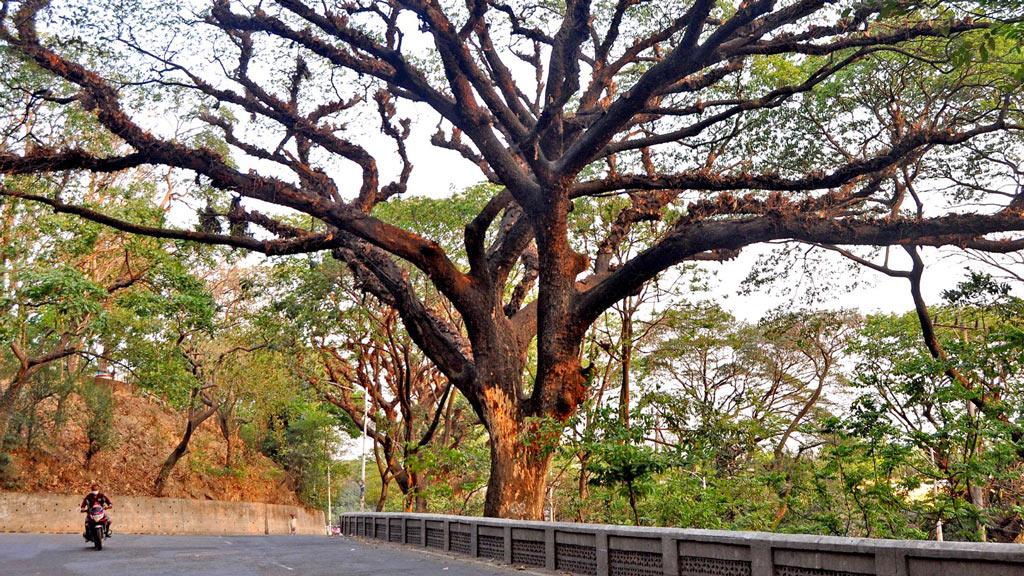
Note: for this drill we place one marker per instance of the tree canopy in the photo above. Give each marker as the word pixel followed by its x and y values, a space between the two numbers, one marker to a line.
pixel 286 127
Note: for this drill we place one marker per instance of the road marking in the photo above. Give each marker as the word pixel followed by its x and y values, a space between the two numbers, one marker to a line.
pixel 282 566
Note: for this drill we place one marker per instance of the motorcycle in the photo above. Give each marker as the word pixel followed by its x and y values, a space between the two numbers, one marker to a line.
pixel 96 525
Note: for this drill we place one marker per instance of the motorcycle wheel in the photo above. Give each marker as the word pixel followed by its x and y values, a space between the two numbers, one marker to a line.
pixel 97 536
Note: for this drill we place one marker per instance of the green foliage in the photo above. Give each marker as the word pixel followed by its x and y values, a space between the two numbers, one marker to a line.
pixel 99 418
pixel 301 438
pixel 457 475
pixel 621 458
pixel 61 294
pixel 438 219
pixel 32 421
pixel 8 472
pixel 911 414
pixel 892 445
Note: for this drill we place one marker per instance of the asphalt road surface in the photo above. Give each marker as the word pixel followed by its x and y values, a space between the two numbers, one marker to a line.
pixel 125 554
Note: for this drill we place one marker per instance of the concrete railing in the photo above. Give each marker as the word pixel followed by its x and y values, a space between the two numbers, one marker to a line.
pixel 20 512
pixel 604 550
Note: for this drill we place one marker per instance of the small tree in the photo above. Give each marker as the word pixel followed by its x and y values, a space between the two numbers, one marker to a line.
pixel 623 457
pixel 99 419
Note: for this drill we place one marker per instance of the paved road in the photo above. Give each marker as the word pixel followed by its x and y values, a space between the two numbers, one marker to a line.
pixel 66 555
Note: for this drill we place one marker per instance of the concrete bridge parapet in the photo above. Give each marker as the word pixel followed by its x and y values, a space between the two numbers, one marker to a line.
pixel 605 550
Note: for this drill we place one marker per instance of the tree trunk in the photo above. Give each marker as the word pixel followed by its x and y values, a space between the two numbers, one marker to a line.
pixel 626 345
pixel 413 494
pixel 7 402
pixel 632 504
pixel 524 433
pixel 225 431
pixel 582 487
pixel 172 460
pixel 384 483
pixel 30 430
pixel 519 464
pixel 420 485
pixel 517 482
pixel 193 422
pixel 977 494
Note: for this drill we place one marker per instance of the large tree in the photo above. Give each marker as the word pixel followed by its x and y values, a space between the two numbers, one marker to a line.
pixel 838 122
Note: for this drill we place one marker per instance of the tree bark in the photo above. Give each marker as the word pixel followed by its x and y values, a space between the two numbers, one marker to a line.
pixel 384 483
pixel 191 425
pixel 525 431
pixel 224 420
pixel 627 360
pixel 516 486
pixel 7 402
pixel 519 460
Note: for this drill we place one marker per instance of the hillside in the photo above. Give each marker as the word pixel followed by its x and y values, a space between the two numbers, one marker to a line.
pixel 145 433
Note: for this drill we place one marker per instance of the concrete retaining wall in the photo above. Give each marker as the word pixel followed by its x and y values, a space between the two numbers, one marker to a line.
pixel 58 513
pixel 603 550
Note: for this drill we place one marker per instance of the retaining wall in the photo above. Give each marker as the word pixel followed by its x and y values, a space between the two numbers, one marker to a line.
pixel 58 513
pixel 603 550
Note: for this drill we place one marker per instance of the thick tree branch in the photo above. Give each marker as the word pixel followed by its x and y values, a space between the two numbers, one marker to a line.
pixel 732 235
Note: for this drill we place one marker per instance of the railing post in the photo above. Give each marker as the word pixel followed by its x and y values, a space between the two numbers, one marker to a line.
pixel 474 539
pixel 761 559
pixel 889 562
pixel 506 533
pixel 601 548
pixel 447 546
pixel 549 548
pixel 405 529
pixel 669 556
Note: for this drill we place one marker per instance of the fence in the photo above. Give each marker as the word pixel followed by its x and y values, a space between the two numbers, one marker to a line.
pixel 603 550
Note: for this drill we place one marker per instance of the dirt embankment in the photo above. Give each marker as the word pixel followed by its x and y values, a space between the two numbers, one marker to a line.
pixel 145 432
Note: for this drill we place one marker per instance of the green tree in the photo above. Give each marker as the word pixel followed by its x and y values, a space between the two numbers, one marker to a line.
pixel 622 457
pixel 99 419
pixel 932 404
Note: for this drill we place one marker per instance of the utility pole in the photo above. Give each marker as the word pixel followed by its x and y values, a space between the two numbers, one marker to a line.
pixel 935 497
pixel 362 477
pixel 330 460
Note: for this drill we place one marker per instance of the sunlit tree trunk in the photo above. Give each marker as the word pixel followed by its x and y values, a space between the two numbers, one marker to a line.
pixel 193 421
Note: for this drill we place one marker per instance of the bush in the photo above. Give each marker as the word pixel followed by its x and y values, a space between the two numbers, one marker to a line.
pixel 99 424
pixel 8 472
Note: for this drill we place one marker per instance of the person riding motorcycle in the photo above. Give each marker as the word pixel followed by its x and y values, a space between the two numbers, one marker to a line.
pixel 96 497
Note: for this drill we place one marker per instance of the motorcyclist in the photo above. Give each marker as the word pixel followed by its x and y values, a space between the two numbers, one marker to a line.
pixel 96 497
